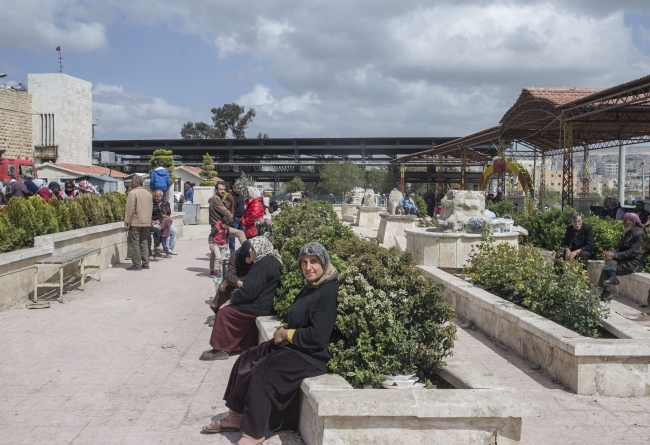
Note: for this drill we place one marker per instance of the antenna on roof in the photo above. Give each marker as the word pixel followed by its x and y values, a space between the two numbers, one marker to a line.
pixel 58 49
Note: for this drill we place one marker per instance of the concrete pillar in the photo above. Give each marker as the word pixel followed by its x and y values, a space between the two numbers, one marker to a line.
pixel 621 172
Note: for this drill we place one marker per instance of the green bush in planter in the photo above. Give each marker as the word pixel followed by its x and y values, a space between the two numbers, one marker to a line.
pixel 117 202
pixel 421 211
pixel 392 320
pixel 11 237
pixel 21 214
pixel 62 213
pixel 78 217
pixel 524 277
pixel 46 215
pixel 92 207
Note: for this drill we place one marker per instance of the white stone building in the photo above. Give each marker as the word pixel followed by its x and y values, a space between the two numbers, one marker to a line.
pixel 62 123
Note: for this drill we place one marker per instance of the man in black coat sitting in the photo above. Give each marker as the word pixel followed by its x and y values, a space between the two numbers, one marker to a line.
pixel 578 241
pixel 626 258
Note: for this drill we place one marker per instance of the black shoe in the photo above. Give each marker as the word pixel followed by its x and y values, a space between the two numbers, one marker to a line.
pixel 145 267
pixel 606 296
pixel 212 273
pixel 134 268
pixel 612 281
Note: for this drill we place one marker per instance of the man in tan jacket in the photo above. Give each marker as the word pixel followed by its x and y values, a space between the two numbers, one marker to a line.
pixel 137 221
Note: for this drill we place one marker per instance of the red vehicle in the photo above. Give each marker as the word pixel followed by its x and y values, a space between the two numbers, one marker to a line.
pixel 16 168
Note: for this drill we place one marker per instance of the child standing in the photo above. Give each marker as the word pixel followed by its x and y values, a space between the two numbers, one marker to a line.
pixel 218 248
pixel 165 228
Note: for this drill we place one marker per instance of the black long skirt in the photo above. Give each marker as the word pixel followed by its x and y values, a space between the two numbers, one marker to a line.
pixel 264 386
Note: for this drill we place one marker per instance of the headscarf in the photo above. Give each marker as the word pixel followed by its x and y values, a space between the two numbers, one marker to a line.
pixel 87 187
pixel 40 183
pixel 33 188
pixel 329 271
pixel 54 186
pixel 240 263
pixel 263 248
pixel 634 218
pixel 253 192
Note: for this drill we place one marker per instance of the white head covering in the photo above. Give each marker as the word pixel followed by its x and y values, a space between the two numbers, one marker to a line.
pixel 253 192
pixel 40 183
pixel 263 247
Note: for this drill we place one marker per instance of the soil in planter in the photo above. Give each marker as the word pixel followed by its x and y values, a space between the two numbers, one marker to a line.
pixel 605 334
pixel 439 382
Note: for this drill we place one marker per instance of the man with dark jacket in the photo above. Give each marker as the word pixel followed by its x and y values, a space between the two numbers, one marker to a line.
pixel 640 210
pixel 159 204
pixel 236 205
pixel 217 211
pixel 578 241
pixel 626 258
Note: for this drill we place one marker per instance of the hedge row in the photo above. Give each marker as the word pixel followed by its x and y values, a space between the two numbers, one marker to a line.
pixel 25 219
pixel 391 319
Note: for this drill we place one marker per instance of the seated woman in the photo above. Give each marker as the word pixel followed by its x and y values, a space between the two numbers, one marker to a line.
pixel 263 393
pixel 239 264
pixel 234 328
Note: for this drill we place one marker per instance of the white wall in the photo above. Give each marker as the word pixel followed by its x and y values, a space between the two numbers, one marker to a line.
pixel 70 101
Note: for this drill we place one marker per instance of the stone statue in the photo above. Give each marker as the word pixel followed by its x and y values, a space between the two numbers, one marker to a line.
pixel 369 198
pixel 393 202
pixel 458 206
pixel 355 196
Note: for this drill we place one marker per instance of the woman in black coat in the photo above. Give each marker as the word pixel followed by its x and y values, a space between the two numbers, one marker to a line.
pixel 263 393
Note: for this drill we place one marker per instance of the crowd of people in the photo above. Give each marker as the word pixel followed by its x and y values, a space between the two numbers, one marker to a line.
pixel 24 189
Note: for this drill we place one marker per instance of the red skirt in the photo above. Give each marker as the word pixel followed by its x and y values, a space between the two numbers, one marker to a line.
pixel 234 330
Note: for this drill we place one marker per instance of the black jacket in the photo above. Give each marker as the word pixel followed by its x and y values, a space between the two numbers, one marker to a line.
pixel 630 247
pixel 312 315
pixel 256 295
pixel 583 239
pixel 156 214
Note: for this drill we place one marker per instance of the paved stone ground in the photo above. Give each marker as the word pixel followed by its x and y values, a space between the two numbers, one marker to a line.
pixel 566 417
pixel 92 370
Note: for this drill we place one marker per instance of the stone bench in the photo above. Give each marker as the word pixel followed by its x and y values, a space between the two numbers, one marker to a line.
pixel 635 287
pixel 481 410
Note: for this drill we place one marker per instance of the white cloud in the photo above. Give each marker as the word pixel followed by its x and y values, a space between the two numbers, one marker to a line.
pixel 123 116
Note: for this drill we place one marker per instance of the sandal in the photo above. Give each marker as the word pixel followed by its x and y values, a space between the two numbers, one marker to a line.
pixel 213 354
pixel 213 428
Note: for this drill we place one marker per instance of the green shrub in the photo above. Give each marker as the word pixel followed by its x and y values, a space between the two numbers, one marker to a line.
pixel 78 218
pixel 391 318
pixel 46 216
pixel 421 211
pixel 503 208
pixel 11 237
pixel 22 215
pixel 607 234
pixel 91 205
pixel 117 203
pixel 62 214
pixel 567 298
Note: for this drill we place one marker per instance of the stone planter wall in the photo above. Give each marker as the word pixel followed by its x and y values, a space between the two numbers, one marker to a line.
pixel 481 410
pixel 17 268
pixel 449 250
pixel 349 212
pixel 368 217
pixel 612 367
pixel 391 226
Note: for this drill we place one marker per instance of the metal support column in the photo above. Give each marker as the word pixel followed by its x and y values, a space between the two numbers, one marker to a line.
pixel 500 167
pixel 542 182
pixel 621 173
pixel 401 178
pixel 567 169
pixel 463 169
pixel 585 173
pixel 441 184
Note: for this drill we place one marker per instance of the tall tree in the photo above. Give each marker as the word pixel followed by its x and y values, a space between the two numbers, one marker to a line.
pixel 168 160
pixel 382 181
pixel 295 185
pixel 231 117
pixel 341 177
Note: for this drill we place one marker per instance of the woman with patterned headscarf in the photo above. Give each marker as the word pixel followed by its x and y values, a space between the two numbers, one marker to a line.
pixel 234 328
pixel 87 187
pixel 263 393
pixel 254 212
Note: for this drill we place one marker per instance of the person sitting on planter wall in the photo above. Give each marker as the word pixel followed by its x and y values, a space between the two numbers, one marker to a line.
pixel 578 241
pixel 408 204
pixel 626 258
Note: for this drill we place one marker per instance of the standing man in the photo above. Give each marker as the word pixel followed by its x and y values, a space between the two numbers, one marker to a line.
pixel 160 179
pixel 236 205
pixel 640 210
pixel 137 221
pixel 218 211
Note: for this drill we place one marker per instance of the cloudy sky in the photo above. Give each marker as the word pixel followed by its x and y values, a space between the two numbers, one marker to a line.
pixel 322 68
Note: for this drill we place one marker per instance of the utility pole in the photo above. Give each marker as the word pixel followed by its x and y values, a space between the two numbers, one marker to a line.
pixel 643 180
pixel 621 172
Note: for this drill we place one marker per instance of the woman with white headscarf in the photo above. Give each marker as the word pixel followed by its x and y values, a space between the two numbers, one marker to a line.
pixel 254 212
pixel 43 189
pixel 235 328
